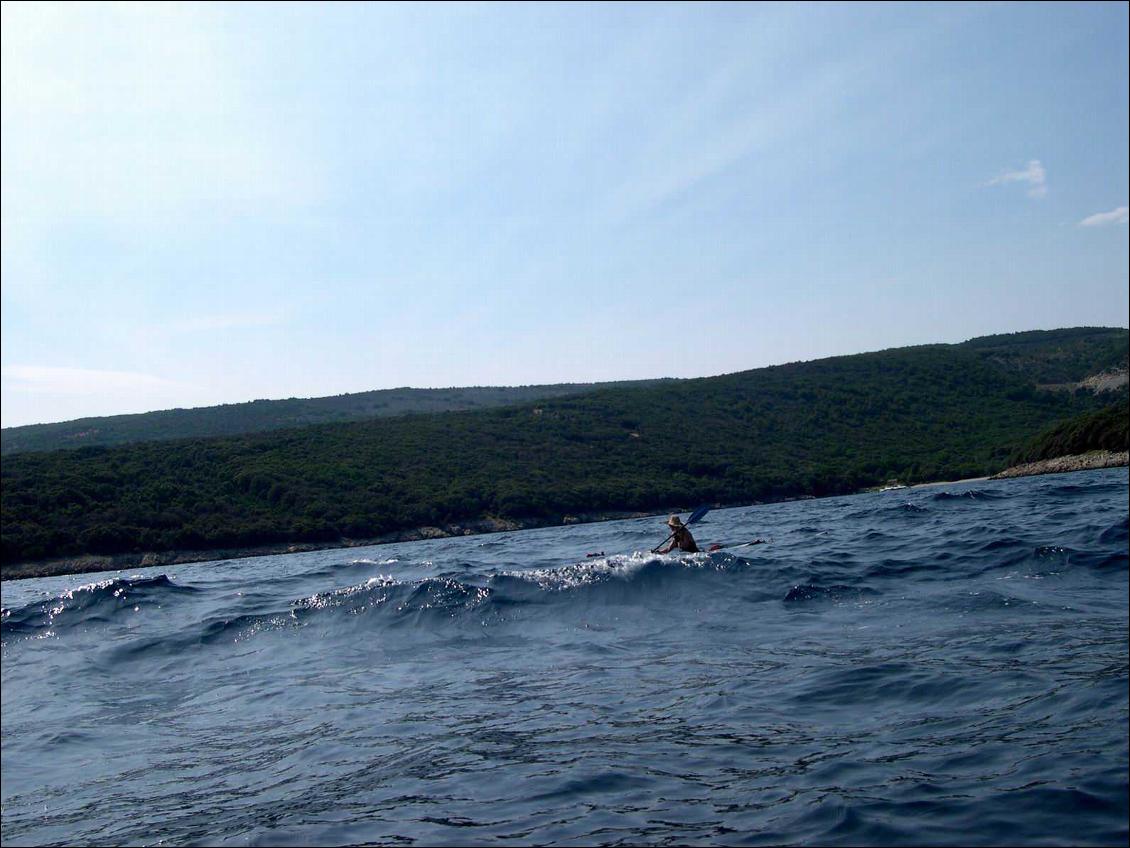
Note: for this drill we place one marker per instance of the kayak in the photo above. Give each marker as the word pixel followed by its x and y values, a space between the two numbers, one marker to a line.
pixel 717 547
pixel 708 550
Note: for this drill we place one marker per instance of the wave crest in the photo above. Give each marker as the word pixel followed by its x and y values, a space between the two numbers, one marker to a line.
pixel 100 602
pixel 970 495
pixel 614 579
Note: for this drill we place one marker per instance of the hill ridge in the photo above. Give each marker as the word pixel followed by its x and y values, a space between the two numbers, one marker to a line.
pixel 1012 350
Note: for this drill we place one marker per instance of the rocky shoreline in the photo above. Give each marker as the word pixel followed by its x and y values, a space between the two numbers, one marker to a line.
pixel 1077 462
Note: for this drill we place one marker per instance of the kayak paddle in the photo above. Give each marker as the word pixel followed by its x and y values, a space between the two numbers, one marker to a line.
pixel 695 516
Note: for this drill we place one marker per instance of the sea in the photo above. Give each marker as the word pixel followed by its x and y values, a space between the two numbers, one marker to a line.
pixel 940 665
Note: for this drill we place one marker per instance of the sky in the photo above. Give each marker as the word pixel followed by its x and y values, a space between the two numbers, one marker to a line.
pixel 208 204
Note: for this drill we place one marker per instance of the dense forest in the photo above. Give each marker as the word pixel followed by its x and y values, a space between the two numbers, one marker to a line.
pixel 255 416
pixel 1055 357
pixel 1046 357
pixel 1106 429
pixel 823 427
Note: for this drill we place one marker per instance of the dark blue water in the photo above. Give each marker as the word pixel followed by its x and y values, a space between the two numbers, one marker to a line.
pixel 941 665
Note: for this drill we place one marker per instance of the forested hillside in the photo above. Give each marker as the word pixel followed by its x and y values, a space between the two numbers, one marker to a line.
pixel 1056 357
pixel 261 415
pixel 823 427
pixel 1049 357
pixel 1106 429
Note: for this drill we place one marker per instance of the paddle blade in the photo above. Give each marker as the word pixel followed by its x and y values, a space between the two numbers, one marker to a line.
pixel 698 513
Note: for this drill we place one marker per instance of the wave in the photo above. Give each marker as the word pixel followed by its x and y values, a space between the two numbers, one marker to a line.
pixel 93 603
pixel 808 592
pixel 982 600
pixel 882 683
pixel 1080 486
pixel 1117 533
pixel 605 580
pixel 440 594
pixel 900 568
pixel 971 495
pixel 640 569
pixel 614 579
pixel 1101 560
pixel 899 509
pixel 907 507
pixel 840 570
pixel 359 564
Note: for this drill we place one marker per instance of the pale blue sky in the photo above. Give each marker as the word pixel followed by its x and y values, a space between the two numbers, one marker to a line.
pixel 207 204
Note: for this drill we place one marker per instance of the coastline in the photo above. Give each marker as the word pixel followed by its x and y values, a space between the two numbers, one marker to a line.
pixel 92 563
pixel 1062 464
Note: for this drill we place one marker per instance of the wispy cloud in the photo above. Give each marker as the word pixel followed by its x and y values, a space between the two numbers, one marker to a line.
pixel 1121 215
pixel 1034 175
pixel 47 379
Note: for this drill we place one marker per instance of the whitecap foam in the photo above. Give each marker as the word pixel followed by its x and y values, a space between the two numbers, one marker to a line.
pixel 600 569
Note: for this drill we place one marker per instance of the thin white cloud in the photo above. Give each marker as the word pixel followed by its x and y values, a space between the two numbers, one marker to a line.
pixel 1121 215
pixel 1034 175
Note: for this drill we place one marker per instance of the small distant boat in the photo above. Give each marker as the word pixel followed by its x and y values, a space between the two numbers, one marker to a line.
pixel 892 486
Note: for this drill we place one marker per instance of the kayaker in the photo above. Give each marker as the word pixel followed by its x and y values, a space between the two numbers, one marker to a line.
pixel 681 537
